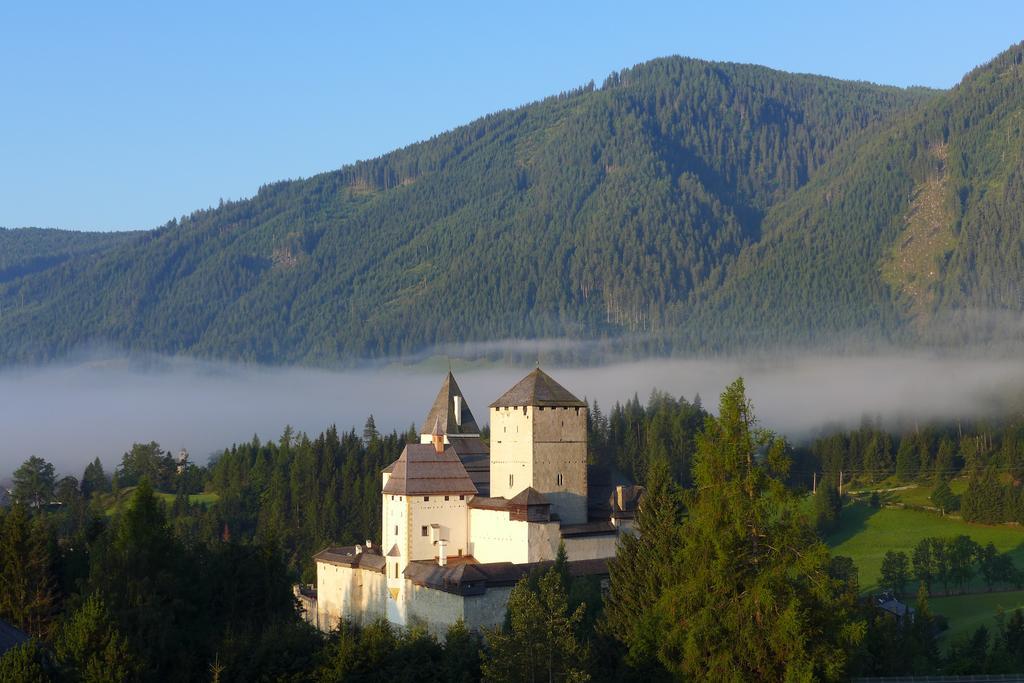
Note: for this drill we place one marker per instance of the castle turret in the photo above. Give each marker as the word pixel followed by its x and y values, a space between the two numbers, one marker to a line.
pixel 539 440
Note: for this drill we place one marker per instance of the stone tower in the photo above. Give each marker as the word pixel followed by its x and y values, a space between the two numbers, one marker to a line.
pixel 539 440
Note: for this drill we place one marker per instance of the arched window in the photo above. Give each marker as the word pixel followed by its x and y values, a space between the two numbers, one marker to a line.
pixel 510 479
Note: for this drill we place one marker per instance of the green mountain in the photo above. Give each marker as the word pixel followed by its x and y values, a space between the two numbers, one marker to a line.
pixel 914 235
pixel 32 250
pixel 681 206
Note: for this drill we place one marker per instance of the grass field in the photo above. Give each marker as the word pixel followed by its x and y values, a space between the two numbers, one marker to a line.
pixel 967 612
pixel 195 498
pixel 125 494
pixel 867 533
pixel 912 494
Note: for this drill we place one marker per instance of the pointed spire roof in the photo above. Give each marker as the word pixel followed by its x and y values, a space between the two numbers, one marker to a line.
pixel 443 411
pixel 538 389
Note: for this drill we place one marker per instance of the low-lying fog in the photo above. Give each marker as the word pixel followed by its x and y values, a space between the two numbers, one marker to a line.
pixel 70 414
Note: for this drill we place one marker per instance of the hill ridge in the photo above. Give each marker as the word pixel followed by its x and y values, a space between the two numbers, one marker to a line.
pixel 683 206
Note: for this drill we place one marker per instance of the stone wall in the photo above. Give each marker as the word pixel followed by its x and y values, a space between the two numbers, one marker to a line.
pixel 594 547
pixel 358 594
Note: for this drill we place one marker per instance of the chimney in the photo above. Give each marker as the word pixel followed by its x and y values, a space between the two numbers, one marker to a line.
pixel 442 553
pixel 458 410
pixel 359 550
pixel 369 544
pixel 437 436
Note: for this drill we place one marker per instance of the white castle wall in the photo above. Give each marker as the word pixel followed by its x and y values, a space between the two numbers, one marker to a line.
pixel 450 514
pixel 357 594
pixel 438 610
pixel 496 538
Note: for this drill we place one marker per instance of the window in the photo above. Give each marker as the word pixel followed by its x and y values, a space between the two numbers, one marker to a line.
pixel 396 530
pixel 559 479
pixel 510 479
pixel 460 552
pixel 396 570
pixel 423 531
pixel 426 498
pixel 462 497
pixel 446 497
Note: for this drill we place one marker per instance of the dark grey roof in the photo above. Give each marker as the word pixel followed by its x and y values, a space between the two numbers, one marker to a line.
pixel 596 528
pixel 471 448
pixel 538 389
pixel 421 470
pixel 443 411
pixel 529 496
pixel 10 637
pixel 476 458
pixel 346 556
pixel 466 577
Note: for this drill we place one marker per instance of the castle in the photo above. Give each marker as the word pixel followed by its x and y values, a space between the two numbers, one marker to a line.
pixel 462 522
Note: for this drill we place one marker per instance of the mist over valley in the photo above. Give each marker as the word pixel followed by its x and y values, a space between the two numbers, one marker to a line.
pixel 71 413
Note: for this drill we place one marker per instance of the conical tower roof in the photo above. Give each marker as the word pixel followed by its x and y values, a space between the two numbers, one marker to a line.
pixel 443 411
pixel 538 389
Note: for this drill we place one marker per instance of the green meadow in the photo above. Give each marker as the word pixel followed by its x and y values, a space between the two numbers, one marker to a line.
pixel 112 505
pixel 867 533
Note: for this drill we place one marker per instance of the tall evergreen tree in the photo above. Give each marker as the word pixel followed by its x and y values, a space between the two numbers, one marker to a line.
pixel 754 598
pixel 644 564
pixel 827 505
pixel 28 593
pixel 34 482
pixel 541 642
pixel 907 459
pixel 895 571
pixel 91 648
pixel 94 479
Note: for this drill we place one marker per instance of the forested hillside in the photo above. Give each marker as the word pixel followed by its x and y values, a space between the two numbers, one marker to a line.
pixel 914 236
pixel 606 212
pixel 31 250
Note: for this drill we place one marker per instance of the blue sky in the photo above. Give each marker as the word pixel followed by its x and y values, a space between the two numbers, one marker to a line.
pixel 123 115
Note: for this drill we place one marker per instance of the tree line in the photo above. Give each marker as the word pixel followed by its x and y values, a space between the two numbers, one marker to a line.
pixel 727 578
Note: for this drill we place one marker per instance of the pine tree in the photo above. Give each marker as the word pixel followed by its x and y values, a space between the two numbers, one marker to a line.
pixel 907 459
pixel 26 663
pixel 753 598
pixel 370 433
pixel 644 564
pixel 28 594
pixel 33 482
pixel 924 563
pixel 94 479
pixel 895 571
pixel 90 645
pixel 944 460
pixel 461 660
pixel 943 498
pixel 541 642
pixel 827 506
